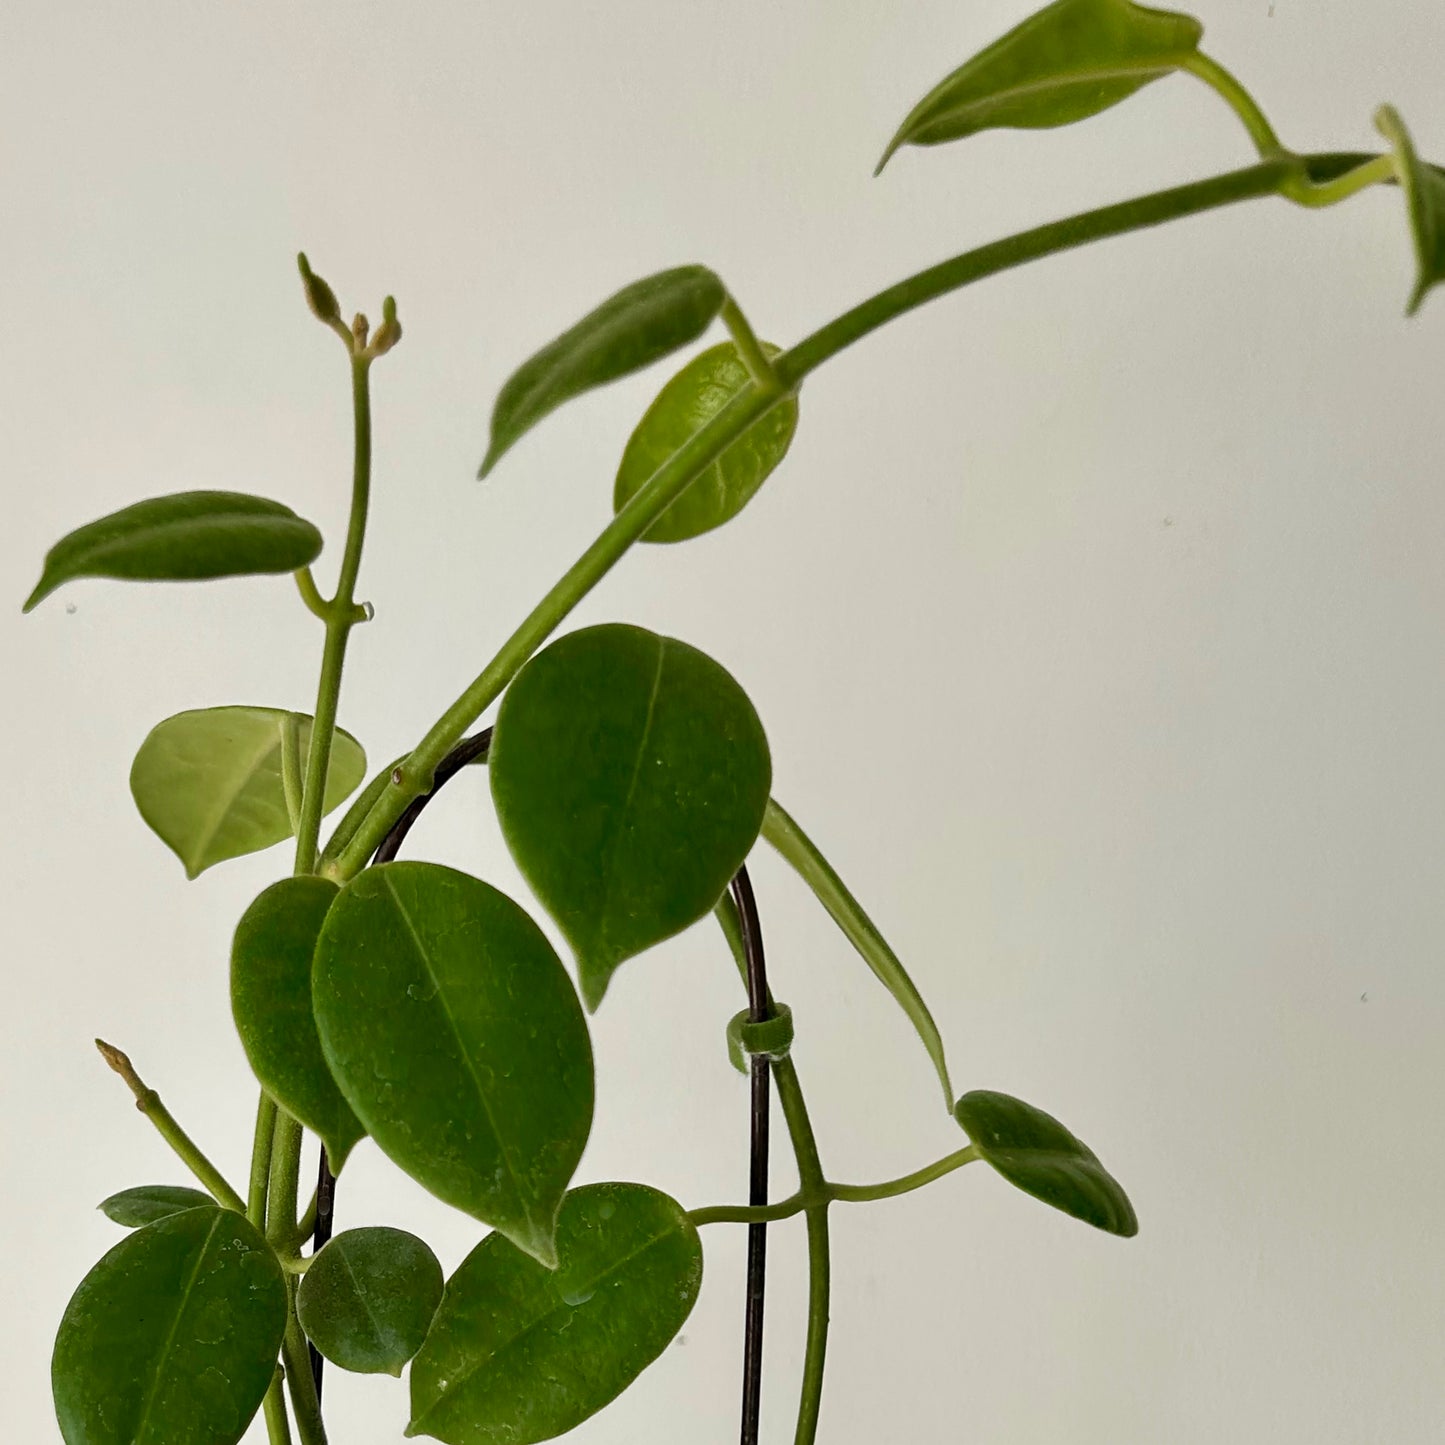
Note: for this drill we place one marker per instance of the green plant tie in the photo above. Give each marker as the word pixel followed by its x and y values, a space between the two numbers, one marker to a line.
pixel 773 1038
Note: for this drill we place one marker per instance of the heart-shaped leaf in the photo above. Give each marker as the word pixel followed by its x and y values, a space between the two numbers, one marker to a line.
pixel 271 1003
pixel 209 783
pixel 630 776
pixel 518 1354
pixel 1069 61
pixel 147 1203
pixel 456 1036
pixel 367 1299
pixel 1035 1153
pixel 686 404
pixel 641 324
pixel 182 538
pixel 1424 188
pixel 172 1338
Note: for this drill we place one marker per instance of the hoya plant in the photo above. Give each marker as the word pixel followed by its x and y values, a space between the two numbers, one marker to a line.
pixel 389 1002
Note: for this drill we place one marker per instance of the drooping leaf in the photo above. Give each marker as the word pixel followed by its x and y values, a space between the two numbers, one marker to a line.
pixel 147 1203
pixel 187 537
pixel 208 781
pixel 630 775
pixel 456 1036
pixel 517 1353
pixel 1035 1153
pixel 1424 188
pixel 844 909
pixel 1069 61
pixel 367 1299
pixel 687 403
pixel 641 324
pixel 172 1338
pixel 271 1003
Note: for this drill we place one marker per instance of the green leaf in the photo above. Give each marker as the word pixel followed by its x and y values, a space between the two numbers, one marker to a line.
pixel 367 1299
pixel 208 782
pixel 147 1203
pixel 641 324
pixel 182 538
pixel 172 1338
pixel 1069 61
pixel 271 1003
pixel 630 775
pixel 1425 193
pixel 686 404
pixel 1035 1153
pixel 456 1036
pixel 517 1354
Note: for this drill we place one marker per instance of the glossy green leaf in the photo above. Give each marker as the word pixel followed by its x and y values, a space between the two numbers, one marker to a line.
pixel 172 1338
pixel 686 404
pixel 271 1003
pixel 641 324
pixel 208 782
pixel 1035 1153
pixel 630 775
pixel 182 538
pixel 367 1299
pixel 456 1036
pixel 1069 61
pixel 147 1203
pixel 1424 188
pixel 518 1353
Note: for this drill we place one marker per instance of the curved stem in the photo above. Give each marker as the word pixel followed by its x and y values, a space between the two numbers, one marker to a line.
pixel 304 1403
pixel 310 595
pixel 1239 100
pixel 414 776
pixel 342 617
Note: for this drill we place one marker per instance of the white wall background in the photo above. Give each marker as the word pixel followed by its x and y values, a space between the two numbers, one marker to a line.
pixel 1097 621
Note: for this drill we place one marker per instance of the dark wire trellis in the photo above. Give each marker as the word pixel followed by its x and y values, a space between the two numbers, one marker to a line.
pixel 470 750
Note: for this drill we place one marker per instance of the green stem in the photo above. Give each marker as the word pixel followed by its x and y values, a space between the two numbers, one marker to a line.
pixel 285 1176
pixel 891 1188
pixel 783 832
pixel 278 1427
pixel 299 1381
pixel 846 1193
pixel 1239 100
pixel 750 349
pixel 261 1161
pixel 149 1103
pixel 342 617
pixel 413 777
pixel 813 1182
pixel 1317 194
pixel 306 586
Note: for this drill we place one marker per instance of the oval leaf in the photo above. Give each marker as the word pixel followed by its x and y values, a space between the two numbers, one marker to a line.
pixel 172 1338
pixel 1069 61
pixel 456 1036
pixel 271 1003
pixel 518 1354
pixel 630 776
pixel 1424 188
pixel 208 782
pixel 182 538
pixel 147 1203
pixel 367 1299
pixel 1035 1153
pixel 641 324
pixel 686 404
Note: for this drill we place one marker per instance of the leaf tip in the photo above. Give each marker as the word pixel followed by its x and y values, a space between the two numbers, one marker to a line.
pixel 36 597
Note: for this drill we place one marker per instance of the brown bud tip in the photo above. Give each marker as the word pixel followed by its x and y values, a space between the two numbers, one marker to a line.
pixel 113 1057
